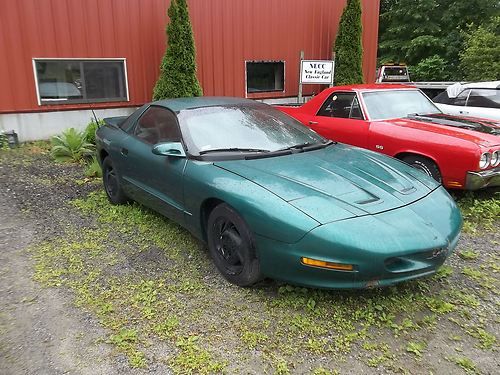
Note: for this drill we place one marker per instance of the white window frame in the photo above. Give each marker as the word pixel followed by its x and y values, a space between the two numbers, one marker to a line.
pixel 103 59
pixel 264 92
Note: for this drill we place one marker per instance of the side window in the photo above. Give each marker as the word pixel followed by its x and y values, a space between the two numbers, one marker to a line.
pixel 356 110
pixel 484 98
pixel 461 99
pixel 157 125
pixel 341 105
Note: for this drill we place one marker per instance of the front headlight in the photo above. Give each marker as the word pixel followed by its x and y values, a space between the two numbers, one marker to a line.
pixel 484 162
pixel 495 158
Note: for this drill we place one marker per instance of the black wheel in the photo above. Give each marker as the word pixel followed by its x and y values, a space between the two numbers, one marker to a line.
pixel 111 181
pixel 425 165
pixel 231 246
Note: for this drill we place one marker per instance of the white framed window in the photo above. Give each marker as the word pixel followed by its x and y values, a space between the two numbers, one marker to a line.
pixel 265 76
pixel 71 81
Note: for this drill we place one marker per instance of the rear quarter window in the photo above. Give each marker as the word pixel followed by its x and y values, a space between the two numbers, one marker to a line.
pixel 486 98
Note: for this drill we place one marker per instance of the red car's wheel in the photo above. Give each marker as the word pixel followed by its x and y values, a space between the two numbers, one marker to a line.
pixel 425 165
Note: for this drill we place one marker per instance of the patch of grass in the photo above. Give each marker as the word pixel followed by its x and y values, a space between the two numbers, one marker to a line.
pixel 468 254
pixel 167 327
pixel 486 339
pixel 193 359
pixel 464 299
pixel 481 277
pixel 443 272
pixel 416 348
pixel 438 305
pixel 465 363
pixel 252 339
pixel 480 210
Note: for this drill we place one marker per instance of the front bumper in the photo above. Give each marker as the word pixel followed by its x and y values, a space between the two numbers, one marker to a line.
pixel 479 180
pixel 387 248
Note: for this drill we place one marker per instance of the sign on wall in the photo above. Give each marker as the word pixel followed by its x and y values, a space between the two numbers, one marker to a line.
pixel 316 71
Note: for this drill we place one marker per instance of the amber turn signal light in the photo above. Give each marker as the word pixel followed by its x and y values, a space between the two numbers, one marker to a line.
pixel 329 265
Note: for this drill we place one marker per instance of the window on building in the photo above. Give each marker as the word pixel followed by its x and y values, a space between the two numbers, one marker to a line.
pixel 265 76
pixel 80 81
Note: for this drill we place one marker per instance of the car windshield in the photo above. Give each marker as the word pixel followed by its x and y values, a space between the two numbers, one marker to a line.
pixel 254 127
pixel 387 104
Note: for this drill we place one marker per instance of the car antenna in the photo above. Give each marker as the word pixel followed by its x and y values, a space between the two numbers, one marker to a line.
pixel 95 117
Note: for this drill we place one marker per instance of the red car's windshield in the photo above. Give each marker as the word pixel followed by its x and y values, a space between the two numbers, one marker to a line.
pixel 387 104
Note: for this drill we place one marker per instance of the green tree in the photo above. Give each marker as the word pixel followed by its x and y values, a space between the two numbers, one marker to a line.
pixel 348 47
pixel 416 31
pixel 178 67
pixel 480 60
pixel 433 68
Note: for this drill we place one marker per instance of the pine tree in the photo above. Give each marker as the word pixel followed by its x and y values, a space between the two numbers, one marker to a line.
pixel 348 47
pixel 178 67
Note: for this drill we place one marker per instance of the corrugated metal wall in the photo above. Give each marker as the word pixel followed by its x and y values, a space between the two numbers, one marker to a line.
pixel 227 32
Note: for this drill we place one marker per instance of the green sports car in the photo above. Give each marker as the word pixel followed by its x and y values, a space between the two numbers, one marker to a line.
pixel 271 198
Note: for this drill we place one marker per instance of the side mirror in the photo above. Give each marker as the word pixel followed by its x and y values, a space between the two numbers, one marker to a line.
pixel 169 149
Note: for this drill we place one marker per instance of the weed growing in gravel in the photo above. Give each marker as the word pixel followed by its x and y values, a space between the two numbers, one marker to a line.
pixel 480 210
pixel 416 348
pixel 93 168
pixel 465 363
pixel 468 254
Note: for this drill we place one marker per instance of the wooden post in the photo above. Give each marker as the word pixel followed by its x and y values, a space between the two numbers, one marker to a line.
pixel 299 97
pixel 333 73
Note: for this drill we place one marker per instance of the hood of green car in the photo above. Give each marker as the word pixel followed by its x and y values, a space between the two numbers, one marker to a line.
pixel 337 182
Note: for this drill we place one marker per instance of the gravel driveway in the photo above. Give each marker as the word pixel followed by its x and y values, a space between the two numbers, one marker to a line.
pixel 86 287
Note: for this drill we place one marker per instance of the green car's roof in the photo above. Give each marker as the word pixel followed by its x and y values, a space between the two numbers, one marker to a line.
pixel 180 104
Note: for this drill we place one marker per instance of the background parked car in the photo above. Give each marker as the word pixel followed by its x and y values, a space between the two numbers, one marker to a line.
pixel 400 121
pixel 480 99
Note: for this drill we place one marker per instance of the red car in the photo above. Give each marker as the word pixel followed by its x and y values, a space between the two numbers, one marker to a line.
pixel 400 121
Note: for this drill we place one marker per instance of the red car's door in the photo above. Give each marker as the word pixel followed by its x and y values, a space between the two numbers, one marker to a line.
pixel 340 118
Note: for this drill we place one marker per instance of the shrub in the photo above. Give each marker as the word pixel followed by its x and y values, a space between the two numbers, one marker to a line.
pixel 90 130
pixel 348 47
pixel 71 145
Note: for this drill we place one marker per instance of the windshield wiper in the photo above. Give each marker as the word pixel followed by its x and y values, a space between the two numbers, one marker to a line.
pixel 307 146
pixel 233 149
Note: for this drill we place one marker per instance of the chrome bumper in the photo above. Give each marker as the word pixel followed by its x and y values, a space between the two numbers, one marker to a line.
pixel 479 180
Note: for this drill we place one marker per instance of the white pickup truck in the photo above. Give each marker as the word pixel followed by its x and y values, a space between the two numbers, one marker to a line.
pixel 399 74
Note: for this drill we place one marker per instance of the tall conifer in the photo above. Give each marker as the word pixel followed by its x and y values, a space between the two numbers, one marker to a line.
pixel 178 67
pixel 348 47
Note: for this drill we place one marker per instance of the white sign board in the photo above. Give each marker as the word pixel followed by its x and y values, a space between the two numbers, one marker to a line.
pixel 317 71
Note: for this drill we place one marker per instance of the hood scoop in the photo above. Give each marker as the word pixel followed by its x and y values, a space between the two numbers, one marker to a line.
pixel 333 183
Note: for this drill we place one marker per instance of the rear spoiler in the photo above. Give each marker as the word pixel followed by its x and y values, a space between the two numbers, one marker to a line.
pixel 115 122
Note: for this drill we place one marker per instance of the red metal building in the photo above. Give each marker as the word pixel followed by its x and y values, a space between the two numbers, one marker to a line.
pixel 74 46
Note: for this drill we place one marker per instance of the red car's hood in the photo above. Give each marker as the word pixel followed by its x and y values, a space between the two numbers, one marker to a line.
pixel 480 131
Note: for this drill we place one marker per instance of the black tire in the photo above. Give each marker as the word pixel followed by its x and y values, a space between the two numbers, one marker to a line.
pixel 231 246
pixel 425 165
pixel 112 184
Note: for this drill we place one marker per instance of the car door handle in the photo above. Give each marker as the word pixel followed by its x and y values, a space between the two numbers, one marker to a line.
pixel 124 151
pixel 313 123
